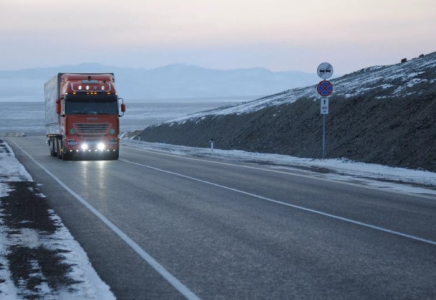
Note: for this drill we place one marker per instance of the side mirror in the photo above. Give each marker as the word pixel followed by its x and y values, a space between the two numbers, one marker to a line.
pixel 58 106
pixel 122 106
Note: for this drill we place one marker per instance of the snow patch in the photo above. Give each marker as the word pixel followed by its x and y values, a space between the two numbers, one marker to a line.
pixel 10 167
pixel 27 237
pixel 8 291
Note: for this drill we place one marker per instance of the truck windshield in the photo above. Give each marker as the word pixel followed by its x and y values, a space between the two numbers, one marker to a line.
pixel 91 107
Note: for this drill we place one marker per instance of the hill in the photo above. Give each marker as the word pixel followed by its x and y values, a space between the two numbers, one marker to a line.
pixel 381 114
pixel 173 81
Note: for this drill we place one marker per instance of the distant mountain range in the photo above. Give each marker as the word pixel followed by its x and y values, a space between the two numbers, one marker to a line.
pixel 172 81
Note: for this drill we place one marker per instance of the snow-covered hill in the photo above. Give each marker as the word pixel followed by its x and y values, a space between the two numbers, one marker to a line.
pixel 383 115
pixel 407 79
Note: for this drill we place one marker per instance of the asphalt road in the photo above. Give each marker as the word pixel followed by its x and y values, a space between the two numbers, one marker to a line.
pixel 160 226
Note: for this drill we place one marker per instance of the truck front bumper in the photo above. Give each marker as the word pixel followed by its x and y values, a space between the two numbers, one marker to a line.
pixel 91 146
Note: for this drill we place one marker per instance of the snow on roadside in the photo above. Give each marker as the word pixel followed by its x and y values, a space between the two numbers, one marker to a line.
pixel 401 180
pixel 88 284
pixel 10 170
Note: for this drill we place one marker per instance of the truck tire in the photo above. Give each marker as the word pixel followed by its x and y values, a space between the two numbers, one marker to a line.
pixel 55 147
pixel 114 155
pixel 59 146
pixel 52 147
pixel 66 155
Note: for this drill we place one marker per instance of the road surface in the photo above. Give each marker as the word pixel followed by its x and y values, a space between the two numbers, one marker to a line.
pixel 161 226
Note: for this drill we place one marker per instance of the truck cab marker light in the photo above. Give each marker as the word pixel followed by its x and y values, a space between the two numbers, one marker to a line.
pixel 87 87
pixel 80 87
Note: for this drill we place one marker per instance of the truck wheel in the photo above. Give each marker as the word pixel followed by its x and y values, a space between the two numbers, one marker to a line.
pixel 66 156
pixel 114 155
pixel 55 147
pixel 52 147
pixel 59 143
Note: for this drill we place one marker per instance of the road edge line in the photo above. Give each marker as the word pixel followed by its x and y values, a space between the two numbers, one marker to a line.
pixel 412 237
pixel 171 279
pixel 368 187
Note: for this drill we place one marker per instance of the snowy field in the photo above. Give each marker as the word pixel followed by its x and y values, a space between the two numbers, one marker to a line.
pixel 414 182
pixel 86 284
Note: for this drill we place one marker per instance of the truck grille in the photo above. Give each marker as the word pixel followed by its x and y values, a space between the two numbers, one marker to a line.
pixel 86 128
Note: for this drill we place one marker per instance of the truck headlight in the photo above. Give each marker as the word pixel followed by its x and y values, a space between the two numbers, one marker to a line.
pixel 101 146
pixel 84 147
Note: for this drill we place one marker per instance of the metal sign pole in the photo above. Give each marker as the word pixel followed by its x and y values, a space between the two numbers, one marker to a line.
pixel 323 136
pixel 324 88
pixel 324 111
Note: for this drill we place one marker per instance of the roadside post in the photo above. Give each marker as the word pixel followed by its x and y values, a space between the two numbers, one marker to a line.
pixel 211 144
pixel 324 89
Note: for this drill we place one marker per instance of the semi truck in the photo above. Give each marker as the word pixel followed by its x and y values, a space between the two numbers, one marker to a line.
pixel 82 112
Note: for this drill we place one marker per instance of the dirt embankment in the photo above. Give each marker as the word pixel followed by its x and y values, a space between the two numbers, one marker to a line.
pixel 394 132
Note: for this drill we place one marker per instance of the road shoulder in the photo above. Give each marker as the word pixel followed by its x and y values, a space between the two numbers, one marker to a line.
pixel 39 259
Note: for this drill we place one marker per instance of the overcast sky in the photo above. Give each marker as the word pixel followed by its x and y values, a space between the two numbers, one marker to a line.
pixel 221 34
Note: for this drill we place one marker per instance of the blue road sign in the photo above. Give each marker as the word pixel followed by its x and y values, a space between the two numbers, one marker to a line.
pixel 324 88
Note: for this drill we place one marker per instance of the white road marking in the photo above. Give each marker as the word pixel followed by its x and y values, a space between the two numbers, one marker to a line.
pixel 412 237
pixel 160 152
pixel 141 252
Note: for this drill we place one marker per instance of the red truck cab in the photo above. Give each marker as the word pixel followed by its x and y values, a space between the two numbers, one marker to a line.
pixel 82 115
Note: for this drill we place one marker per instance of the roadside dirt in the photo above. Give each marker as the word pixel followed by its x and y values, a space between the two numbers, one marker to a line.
pixel 398 132
pixel 32 265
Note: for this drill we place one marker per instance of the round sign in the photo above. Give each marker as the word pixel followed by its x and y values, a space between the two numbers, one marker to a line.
pixel 325 70
pixel 324 88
